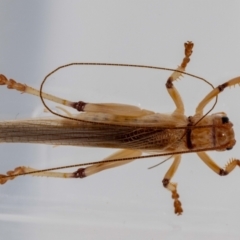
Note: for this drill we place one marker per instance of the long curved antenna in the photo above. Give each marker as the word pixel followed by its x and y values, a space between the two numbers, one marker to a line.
pixel 114 65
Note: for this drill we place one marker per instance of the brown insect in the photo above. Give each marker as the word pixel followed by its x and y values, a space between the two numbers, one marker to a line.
pixel 134 130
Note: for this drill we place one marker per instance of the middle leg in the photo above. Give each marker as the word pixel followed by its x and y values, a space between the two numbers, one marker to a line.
pixel 173 186
pixel 175 75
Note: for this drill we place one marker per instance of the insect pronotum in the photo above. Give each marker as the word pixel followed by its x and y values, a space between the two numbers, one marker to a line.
pixel 133 130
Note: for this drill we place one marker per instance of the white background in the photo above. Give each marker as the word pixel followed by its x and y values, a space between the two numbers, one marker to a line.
pixel 127 202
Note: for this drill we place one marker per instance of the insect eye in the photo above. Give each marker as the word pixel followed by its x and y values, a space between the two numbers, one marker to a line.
pixel 229 148
pixel 225 120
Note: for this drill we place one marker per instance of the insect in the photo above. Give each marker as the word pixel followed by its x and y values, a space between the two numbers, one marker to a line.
pixel 133 130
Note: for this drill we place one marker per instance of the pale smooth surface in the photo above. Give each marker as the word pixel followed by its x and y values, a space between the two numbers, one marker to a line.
pixel 127 202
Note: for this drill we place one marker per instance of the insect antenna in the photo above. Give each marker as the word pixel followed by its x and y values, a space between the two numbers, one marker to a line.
pixel 114 65
pixel 101 123
pixel 108 161
pixel 160 162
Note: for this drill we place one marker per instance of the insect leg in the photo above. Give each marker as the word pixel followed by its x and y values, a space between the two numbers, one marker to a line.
pixel 110 108
pixel 85 172
pixel 220 171
pixel 214 93
pixel 173 186
pixel 175 75
pixel 23 88
pixel 80 173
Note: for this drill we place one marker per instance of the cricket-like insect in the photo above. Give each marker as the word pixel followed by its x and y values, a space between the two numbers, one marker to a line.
pixel 134 130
